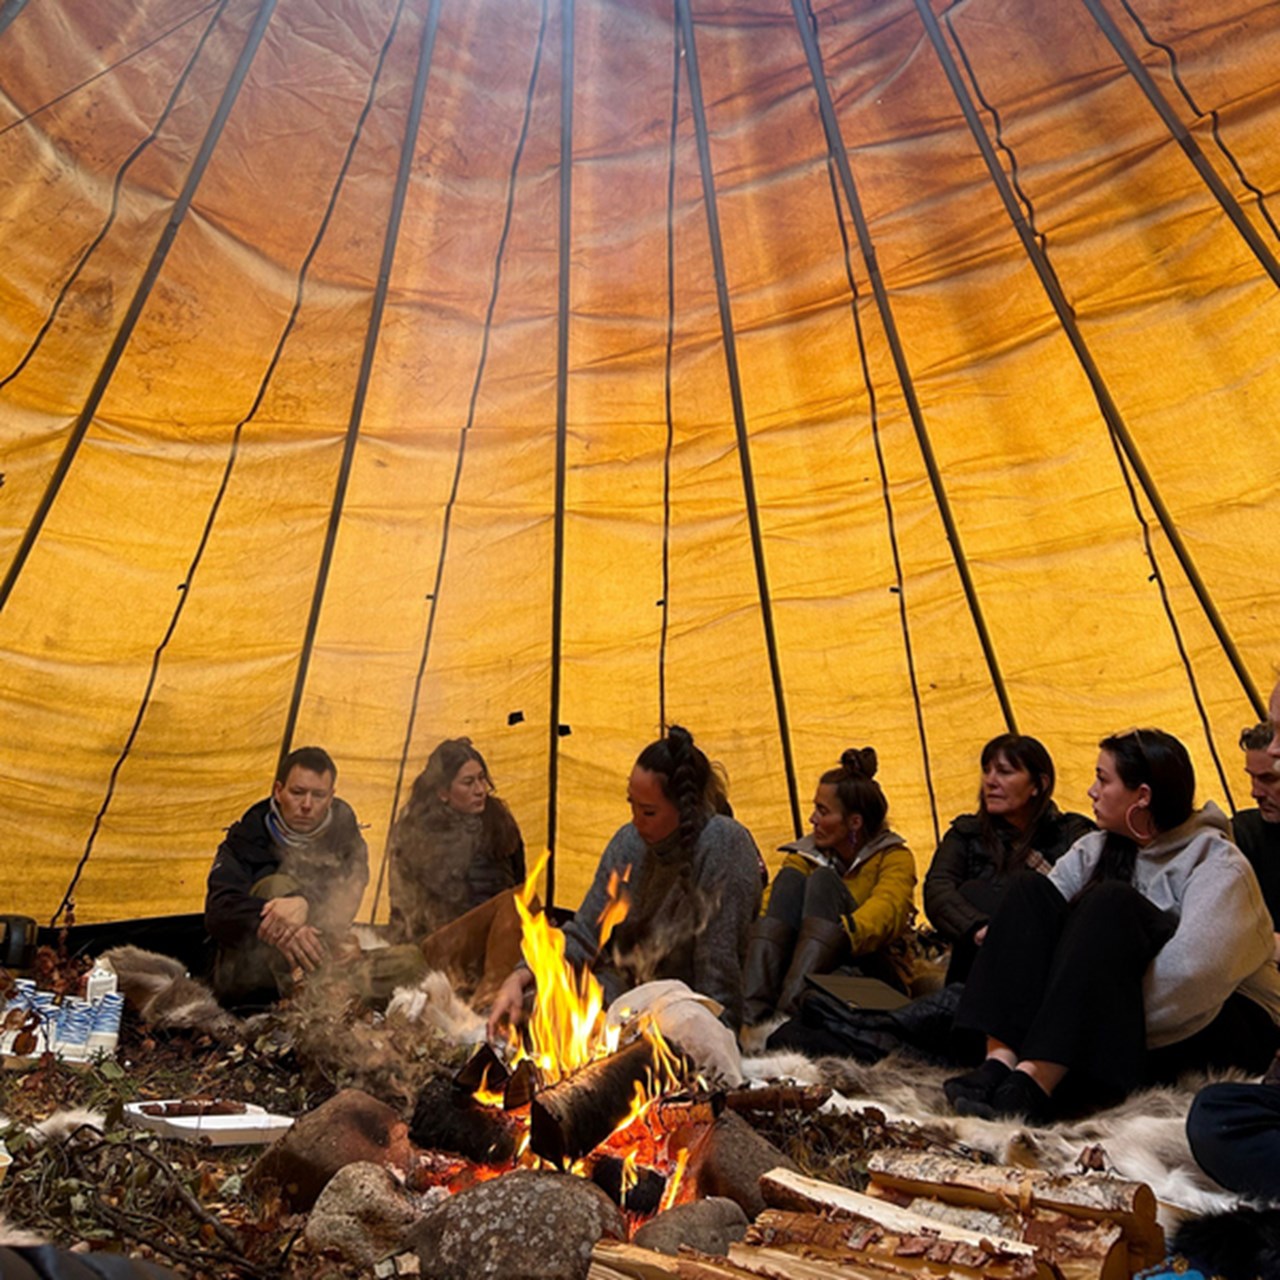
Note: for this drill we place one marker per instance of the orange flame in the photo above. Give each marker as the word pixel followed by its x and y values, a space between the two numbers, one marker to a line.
pixel 567 1027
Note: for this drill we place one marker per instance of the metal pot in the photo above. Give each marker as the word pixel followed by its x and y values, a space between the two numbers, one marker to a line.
pixel 17 942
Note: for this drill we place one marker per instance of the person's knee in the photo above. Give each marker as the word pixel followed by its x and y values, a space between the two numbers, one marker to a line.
pixel 825 895
pixel 786 898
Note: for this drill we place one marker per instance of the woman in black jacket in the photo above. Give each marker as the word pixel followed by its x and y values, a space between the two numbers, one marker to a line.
pixel 1017 825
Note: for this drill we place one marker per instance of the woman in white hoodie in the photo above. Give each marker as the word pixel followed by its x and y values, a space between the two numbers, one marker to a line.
pixel 1146 951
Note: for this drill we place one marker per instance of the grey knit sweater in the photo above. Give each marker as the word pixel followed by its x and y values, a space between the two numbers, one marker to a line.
pixel 688 917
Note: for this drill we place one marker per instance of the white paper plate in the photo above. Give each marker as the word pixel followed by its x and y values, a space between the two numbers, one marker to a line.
pixel 254 1126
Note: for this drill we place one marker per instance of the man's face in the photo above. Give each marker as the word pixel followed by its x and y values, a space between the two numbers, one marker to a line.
pixel 304 798
pixel 1264 773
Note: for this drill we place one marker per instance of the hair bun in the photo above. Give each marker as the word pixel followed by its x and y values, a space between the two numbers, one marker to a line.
pixel 860 760
pixel 680 738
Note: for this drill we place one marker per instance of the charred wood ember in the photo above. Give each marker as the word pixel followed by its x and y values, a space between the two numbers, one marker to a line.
pixel 521 1087
pixel 575 1116
pixel 447 1119
pixel 485 1071
pixel 642 1196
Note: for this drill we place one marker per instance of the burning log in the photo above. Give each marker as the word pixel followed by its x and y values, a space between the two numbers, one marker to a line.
pixel 447 1119
pixel 573 1117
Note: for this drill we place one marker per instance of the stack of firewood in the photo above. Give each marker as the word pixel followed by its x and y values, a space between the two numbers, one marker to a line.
pixel 925 1215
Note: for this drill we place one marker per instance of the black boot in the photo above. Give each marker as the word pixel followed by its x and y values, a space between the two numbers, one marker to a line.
pixel 819 948
pixel 768 953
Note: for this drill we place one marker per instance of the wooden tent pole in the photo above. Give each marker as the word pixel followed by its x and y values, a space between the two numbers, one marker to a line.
pixel 141 294
pixel 1066 317
pixel 390 238
pixel 837 151
pixel 735 394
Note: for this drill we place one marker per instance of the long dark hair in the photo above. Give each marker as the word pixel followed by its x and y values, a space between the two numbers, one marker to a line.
pixel 1159 760
pixel 1023 752
pixel 426 808
pixel 688 779
pixel 857 789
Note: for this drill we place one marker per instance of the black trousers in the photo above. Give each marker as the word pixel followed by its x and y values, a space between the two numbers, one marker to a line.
pixel 1234 1131
pixel 1062 982
pixel 821 893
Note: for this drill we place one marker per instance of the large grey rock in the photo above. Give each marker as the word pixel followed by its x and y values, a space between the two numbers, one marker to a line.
pixel 522 1226
pixel 363 1213
pixel 731 1161
pixel 709 1225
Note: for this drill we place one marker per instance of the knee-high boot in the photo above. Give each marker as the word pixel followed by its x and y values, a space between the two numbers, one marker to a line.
pixel 768 953
pixel 819 948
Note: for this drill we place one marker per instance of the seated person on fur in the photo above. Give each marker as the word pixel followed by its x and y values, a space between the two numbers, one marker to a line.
pixel 1145 952
pixel 286 882
pixel 690 876
pixel 1234 1127
pixel 840 899
pixel 1257 831
pixel 455 859
pixel 1017 825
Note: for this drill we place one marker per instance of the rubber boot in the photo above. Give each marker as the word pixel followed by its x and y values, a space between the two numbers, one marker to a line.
pixel 819 948
pixel 768 952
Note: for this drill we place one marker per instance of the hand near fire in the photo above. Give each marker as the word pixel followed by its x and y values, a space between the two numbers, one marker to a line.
pixel 508 1010
pixel 283 925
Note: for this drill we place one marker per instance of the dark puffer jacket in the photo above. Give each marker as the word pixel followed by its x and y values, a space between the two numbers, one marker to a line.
pixel 965 881
pixel 332 872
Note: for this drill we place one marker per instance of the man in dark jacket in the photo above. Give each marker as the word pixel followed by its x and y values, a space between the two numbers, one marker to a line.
pixel 285 883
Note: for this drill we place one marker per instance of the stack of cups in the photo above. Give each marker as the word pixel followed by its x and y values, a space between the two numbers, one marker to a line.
pixel 104 1034
pixel 75 1021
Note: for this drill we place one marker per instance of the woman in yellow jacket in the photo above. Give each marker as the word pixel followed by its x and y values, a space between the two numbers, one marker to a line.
pixel 841 896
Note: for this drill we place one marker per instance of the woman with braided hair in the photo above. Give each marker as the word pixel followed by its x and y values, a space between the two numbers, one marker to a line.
pixel 840 898
pixel 690 875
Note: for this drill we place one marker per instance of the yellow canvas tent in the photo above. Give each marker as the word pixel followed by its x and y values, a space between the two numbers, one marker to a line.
pixel 808 372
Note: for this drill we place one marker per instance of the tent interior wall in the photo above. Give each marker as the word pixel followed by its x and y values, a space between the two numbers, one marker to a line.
pixel 375 371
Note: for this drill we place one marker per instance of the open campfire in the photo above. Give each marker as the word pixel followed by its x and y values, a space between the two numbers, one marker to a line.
pixel 604 1098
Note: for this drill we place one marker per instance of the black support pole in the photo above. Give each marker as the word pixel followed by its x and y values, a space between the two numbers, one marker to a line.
pixel 390 238
pixel 835 145
pixel 1182 136
pixel 735 394
pixel 140 295
pixel 1066 317
pixel 562 408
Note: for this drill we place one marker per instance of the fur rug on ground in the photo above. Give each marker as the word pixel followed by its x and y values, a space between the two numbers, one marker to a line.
pixel 1143 1139
pixel 165 998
